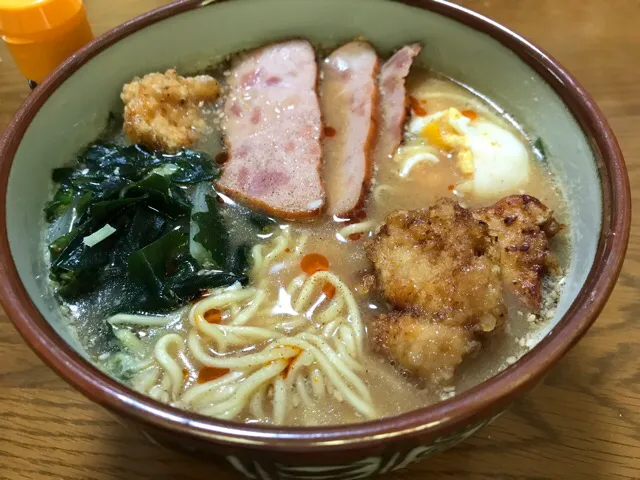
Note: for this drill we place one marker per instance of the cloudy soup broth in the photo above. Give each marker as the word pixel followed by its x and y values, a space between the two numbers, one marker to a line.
pixel 211 303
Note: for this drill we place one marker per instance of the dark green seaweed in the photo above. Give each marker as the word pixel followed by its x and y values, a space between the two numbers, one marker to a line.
pixel 540 149
pixel 145 266
pixel 211 234
pixel 103 170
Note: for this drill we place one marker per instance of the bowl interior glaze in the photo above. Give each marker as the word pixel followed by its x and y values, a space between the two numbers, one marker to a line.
pixel 76 112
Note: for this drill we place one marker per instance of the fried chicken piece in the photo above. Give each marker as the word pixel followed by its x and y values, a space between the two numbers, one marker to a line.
pixel 422 347
pixel 162 110
pixel 440 263
pixel 522 225
pixel 443 269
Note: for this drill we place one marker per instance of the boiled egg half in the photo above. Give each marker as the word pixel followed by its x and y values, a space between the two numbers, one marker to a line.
pixel 493 159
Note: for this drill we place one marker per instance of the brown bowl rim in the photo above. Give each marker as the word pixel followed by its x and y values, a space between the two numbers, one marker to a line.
pixel 465 409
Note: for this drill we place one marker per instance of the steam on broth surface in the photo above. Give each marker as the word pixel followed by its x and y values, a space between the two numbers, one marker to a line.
pixel 234 314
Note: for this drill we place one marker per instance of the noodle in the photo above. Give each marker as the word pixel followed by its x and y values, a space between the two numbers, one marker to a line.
pixel 232 407
pixel 332 311
pixel 379 190
pixel 301 390
pixel 353 313
pixel 356 228
pixel 145 379
pixel 129 340
pixel 138 320
pixel 194 393
pixel 279 400
pixel 218 300
pixel 414 160
pixel 172 370
pixel 317 384
pixel 231 335
pixel 267 355
pixel 245 315
pixel 272 372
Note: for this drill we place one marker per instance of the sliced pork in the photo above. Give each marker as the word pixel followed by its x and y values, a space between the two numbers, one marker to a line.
pixel 393 101
pixel 272 127
pixel 348 96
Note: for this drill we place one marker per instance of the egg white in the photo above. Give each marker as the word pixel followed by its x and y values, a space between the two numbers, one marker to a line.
pixel 501 162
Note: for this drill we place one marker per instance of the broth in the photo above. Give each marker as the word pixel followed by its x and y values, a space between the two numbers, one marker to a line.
pixel 341 242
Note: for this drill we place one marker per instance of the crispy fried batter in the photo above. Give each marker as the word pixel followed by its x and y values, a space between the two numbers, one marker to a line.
pixel 440 262
pixel 522 225
pixel 443 269
pixel 424 348
pixel 162 110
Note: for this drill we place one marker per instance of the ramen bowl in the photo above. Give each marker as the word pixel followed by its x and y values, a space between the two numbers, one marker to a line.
pixel 71 107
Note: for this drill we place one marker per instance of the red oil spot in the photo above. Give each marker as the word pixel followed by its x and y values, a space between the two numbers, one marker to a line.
pixel 274 80
pixel 222 158
pixel 470 114
pixel 416 107
pixel 213 315
pixel 329 132
pixel 207 374
pixel 314 262
pixel 329 290
pixel 451 187
pixel 354 237
pixel 356 217
pixel 361 215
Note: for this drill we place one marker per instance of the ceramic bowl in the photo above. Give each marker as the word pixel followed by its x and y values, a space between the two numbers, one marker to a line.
pixel 71 107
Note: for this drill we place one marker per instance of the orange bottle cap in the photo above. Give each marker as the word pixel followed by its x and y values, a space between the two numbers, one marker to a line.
pixel 29 17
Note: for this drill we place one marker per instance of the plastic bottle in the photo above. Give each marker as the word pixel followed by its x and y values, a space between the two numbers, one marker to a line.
pixel 41 34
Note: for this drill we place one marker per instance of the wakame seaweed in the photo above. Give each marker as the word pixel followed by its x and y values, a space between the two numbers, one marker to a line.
pixel 212 235
pixel 145 265
pixel 103 170
pixel 540 149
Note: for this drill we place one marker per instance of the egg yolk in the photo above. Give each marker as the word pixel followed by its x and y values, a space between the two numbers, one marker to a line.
pixel 433 134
